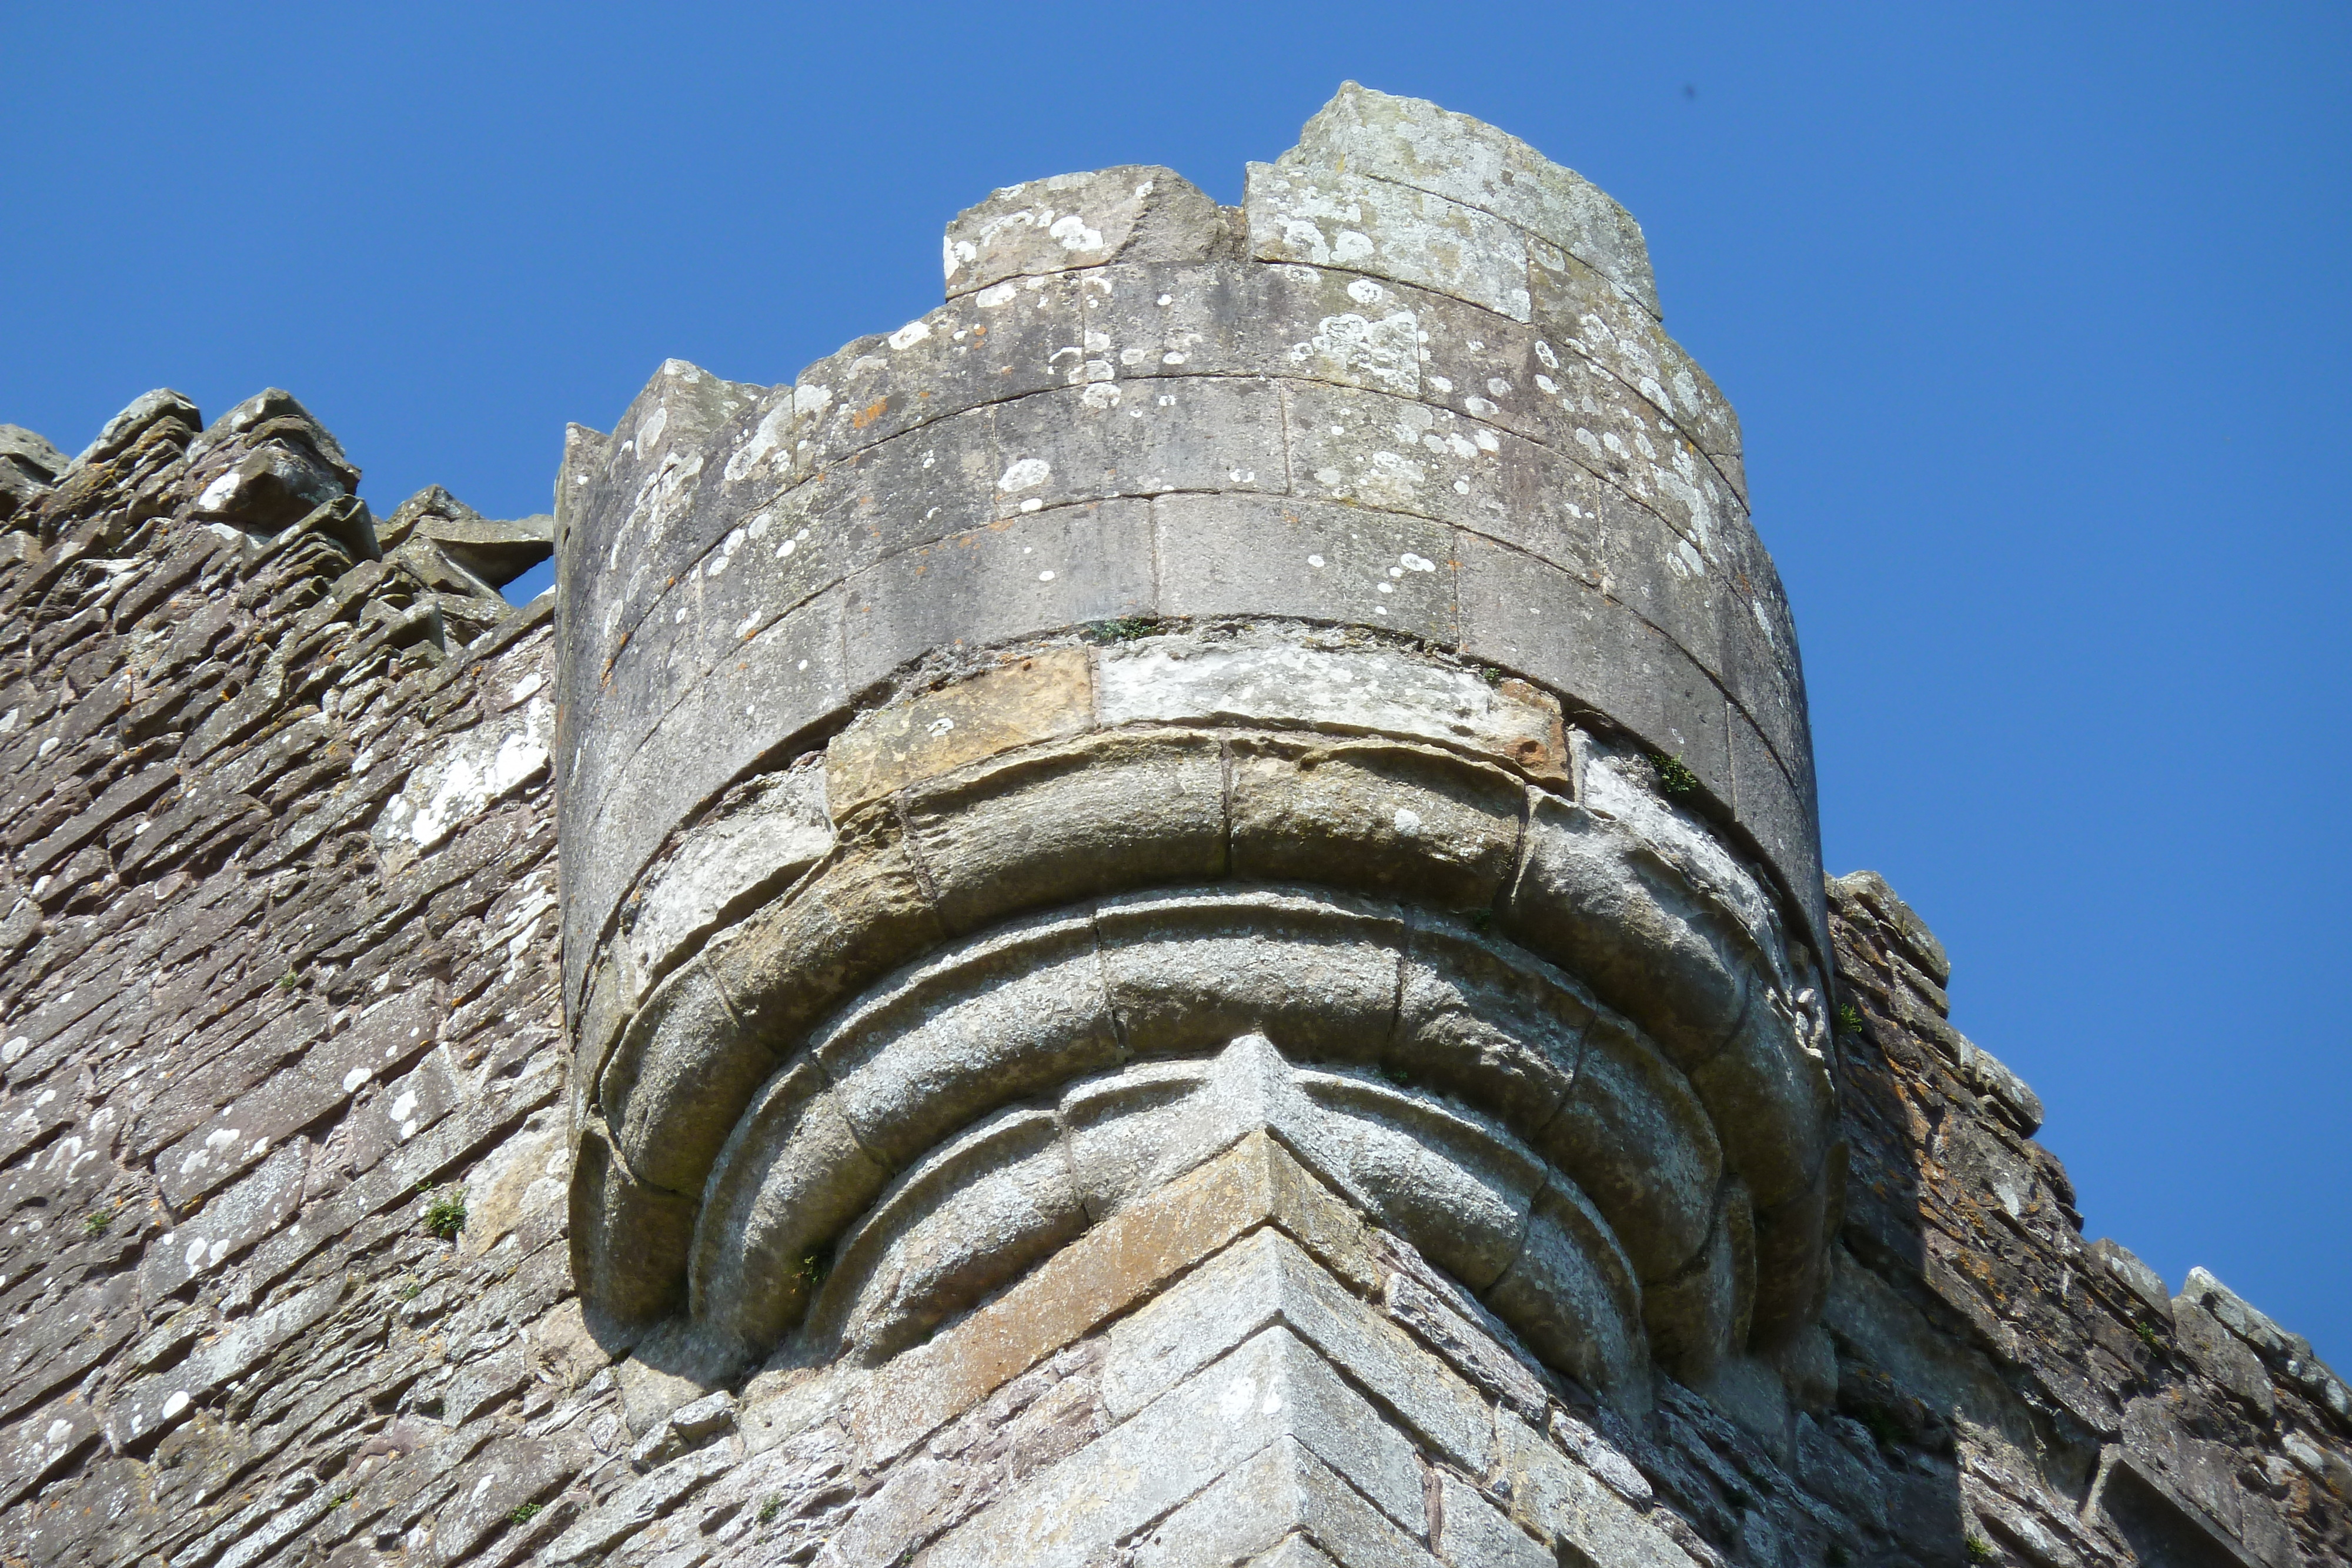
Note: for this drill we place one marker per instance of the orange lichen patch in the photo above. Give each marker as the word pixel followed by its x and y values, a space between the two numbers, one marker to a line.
pixel 869 414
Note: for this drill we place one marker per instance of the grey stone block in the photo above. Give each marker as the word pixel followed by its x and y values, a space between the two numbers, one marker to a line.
pixel 1570 1512
pixel 1033 574
pixel 1304 211
pixel 1002 342
pixel 1188 972
pixel 1241 555
pixel 1417 144
pixel 1473 1534
pixel 1271 1388
pixel 966 1219
pixel 1544 622
pixel 1636 1139
pixel 1287 681
pixel 1018 1014
pixel 1266 1278
pixel 1281 1489
pixel 1056 823
pixel 2128 1271
pixel 1101 440
pixel 1374 817
pixel 778 829
pixel 792 1178
pixel 1577 310
pixel 1133 213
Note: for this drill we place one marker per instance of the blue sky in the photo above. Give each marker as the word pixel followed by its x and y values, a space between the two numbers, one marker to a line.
pixel 2036 318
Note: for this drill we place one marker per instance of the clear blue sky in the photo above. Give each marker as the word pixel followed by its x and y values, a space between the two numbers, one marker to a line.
pixel 2036 317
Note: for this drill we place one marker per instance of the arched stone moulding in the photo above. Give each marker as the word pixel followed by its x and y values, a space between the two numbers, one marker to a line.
pixel 1201 682
pixel 765 1115
pixel 1535 473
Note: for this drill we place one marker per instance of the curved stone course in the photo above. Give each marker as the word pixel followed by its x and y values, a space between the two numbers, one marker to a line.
pixel 743 1113
pixel 1176 411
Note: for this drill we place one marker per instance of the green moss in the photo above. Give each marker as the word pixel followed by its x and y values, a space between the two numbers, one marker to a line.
pixel 445 1213
pixel 95 1225
pixel 1849 1019
pixel 1673 778
pixel 525 1512
pixel 815 1264
pixel 1981 1550
pixel 1126 630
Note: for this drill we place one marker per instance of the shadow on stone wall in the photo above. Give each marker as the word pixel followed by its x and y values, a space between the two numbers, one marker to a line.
pixel 2033 1397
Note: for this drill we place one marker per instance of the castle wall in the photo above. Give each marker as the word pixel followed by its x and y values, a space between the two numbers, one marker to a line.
pixel 289 1099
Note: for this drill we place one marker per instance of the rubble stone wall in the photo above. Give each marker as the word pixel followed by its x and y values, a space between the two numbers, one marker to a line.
pixel 288 1101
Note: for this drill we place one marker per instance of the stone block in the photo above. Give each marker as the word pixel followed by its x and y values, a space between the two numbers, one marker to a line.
pixel 1288 682
pixel 2221 1355
pixel 1239 555
pixel 1474 1534
pixel 999 343
pixel 778 683
pixel 1282 1495
pixel 629 1241
pixel 1019 1013
pixel 1110 1267
pixel 1272 1387
pixel 1053 824
pixel 1415 142
pixel 1472 1340
pixel 1631 927
pixel 1545 624
pixel 1636 1139
pixel 1196 434
pixel 1134 212
pixel 1571 1512
pixel 1782 821
pixel 631 1508
pixel 792 1176
pixel 231 1222
pixel 1039 696
pixel 1772 1105
pixel 1451 1182
pixel 1390 453
pixel 1300 210
pixel 757 846
pixel 1036 573
pixel 863 911
pixel 153 1405
pixel 2126 1269
pixel 684 1069
pixel 1484 1023
pixel 1580 311
pixel 1266 1278
pixel 967 1219
pixel 1571 1293
pixel 1375 818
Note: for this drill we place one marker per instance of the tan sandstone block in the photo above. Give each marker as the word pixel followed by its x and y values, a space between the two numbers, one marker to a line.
pixel 1033 698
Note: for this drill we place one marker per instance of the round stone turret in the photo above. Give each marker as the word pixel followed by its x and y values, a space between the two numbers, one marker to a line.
pixel 1299 672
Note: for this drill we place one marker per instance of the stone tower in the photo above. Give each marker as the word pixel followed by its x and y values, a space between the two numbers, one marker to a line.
pixel 1189 932
pixel 1295 685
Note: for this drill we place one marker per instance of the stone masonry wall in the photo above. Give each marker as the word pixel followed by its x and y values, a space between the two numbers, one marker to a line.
pixel 280 1006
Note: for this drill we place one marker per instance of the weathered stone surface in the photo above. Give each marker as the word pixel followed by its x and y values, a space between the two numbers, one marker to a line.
pixel 1030 1093
pixel 1129 214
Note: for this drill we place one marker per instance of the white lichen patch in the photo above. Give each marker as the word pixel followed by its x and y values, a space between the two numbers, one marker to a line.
pixel 478 768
